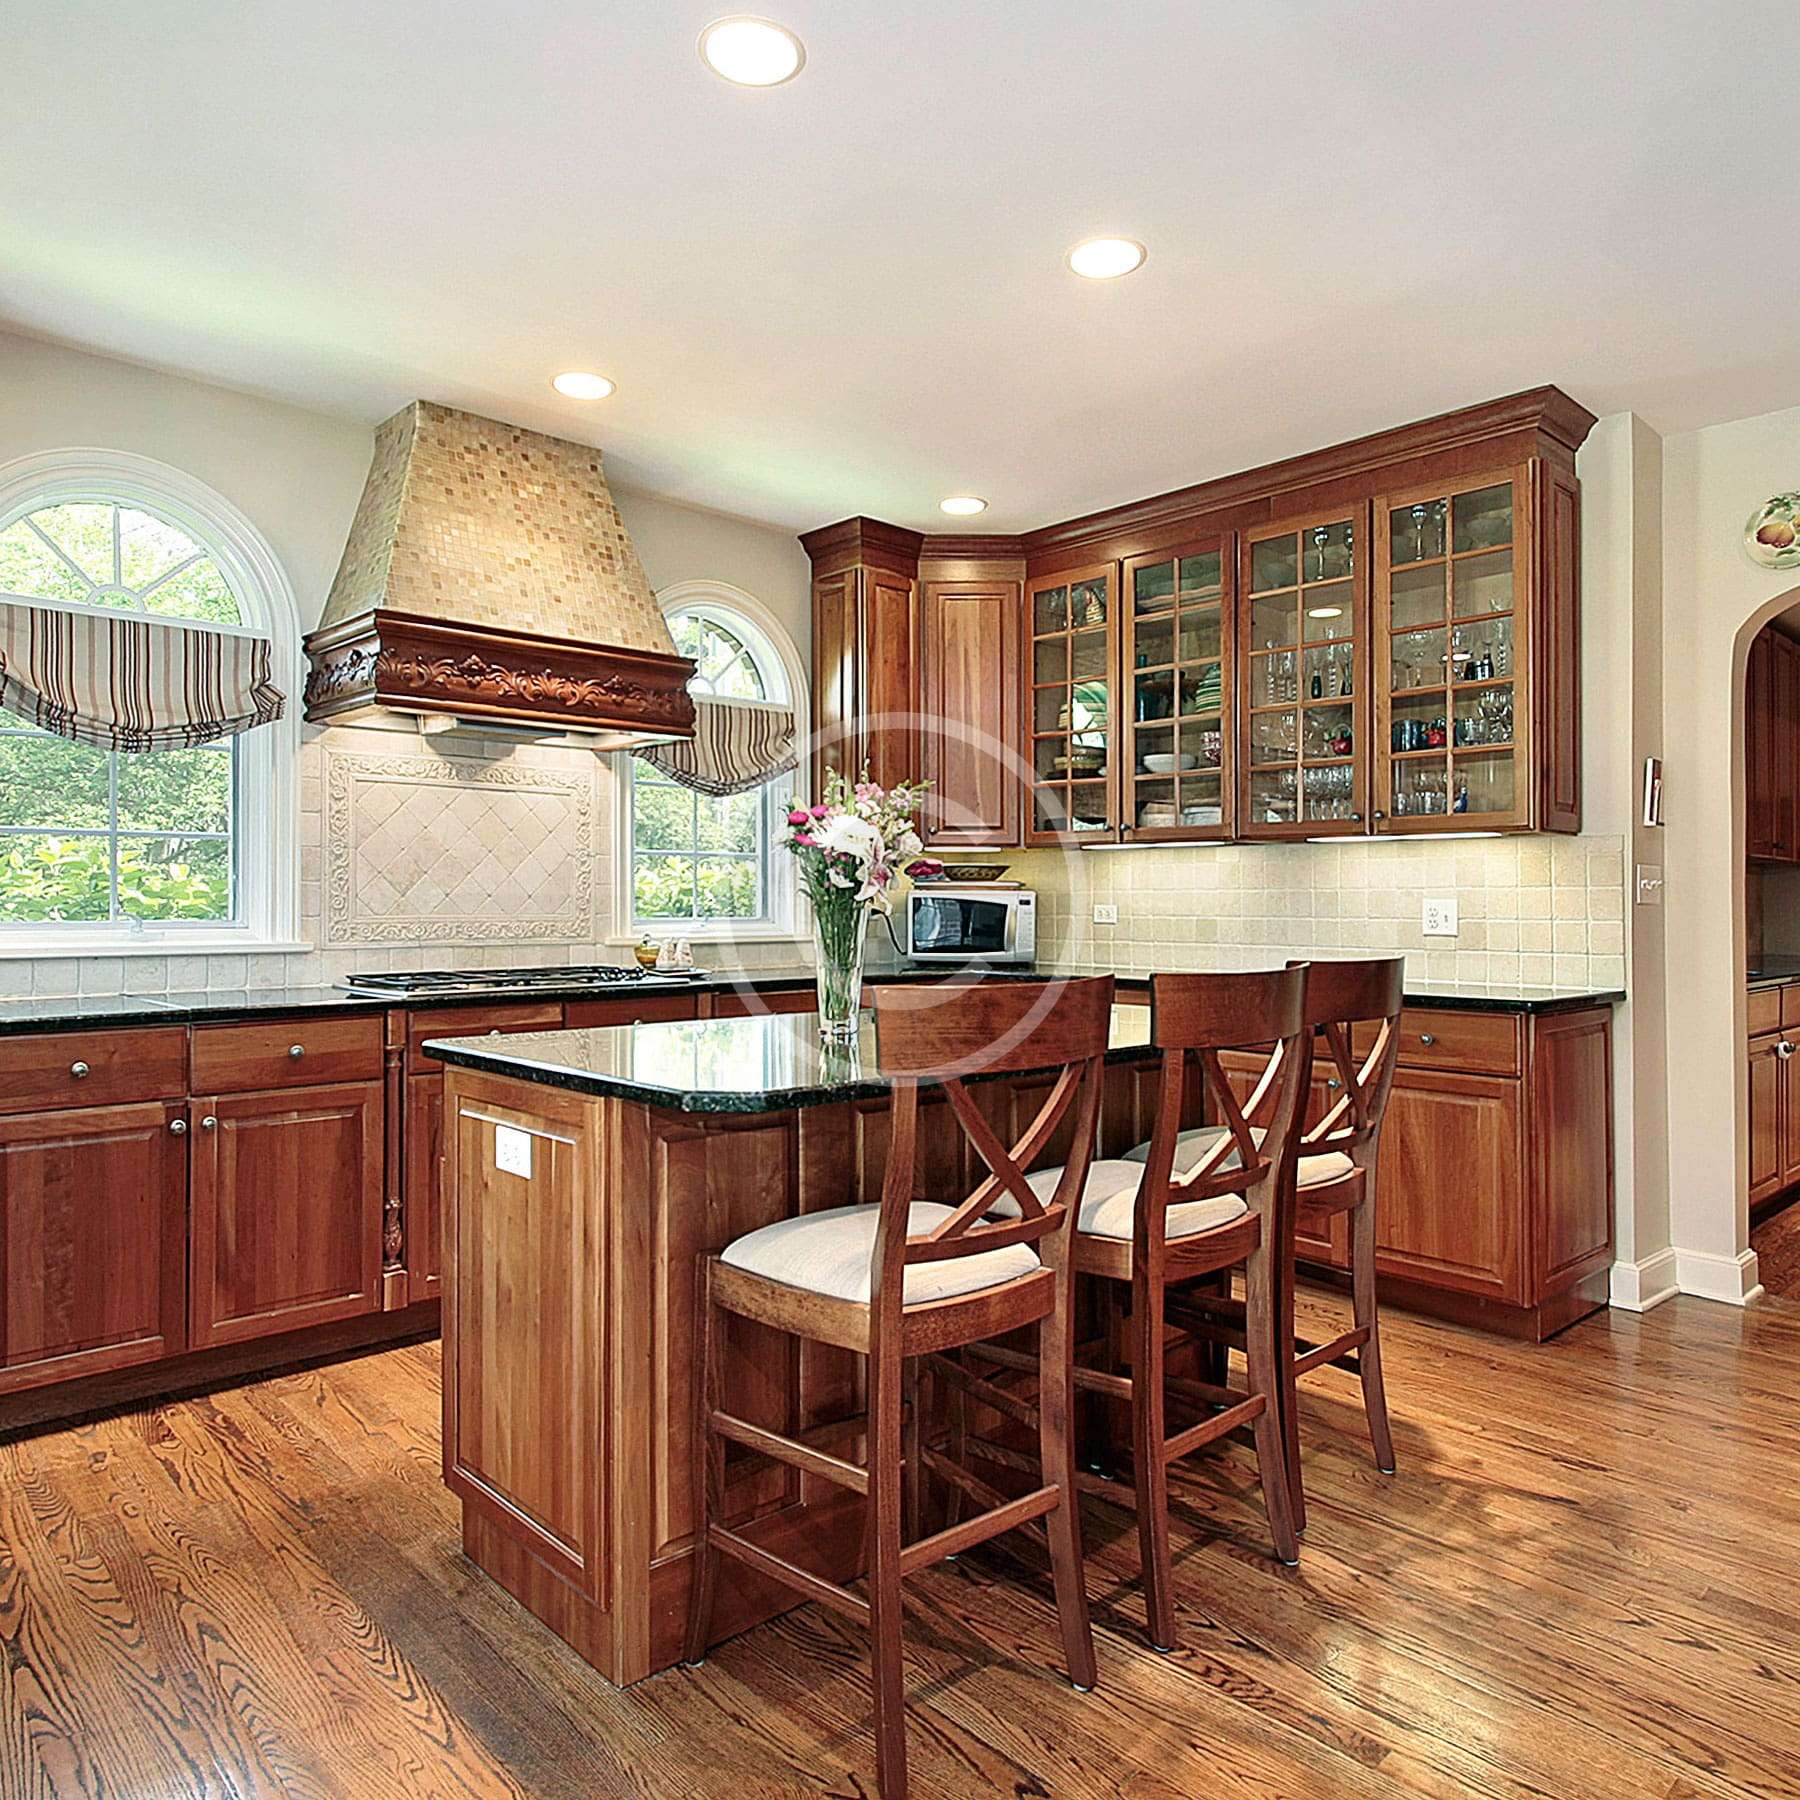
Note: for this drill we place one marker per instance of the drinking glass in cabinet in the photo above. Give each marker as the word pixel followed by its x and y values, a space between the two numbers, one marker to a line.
pixel 1421 789
pixel 1327 552
pixel 1329 672
pixel 1272 737
pixel 1484 783
pixel 1330 792
pixel 1329 732
pixel 1484 716
pixel 1051 610
pixel 1274 679
pixel 1205 744
pixel 1483 519
pixel 1155 696
pixel 1416 533
pixel 1419 659
pixel 1272 797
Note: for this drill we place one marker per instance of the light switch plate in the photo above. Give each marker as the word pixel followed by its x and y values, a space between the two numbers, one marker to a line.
pixel 1437 918
pixel 1649 884
pixel 512 1150
pixel 1106 915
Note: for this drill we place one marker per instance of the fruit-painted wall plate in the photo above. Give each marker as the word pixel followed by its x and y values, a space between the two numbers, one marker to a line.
pixel 1773 535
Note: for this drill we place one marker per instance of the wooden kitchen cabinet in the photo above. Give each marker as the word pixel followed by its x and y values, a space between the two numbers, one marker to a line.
pixel 1772 748
pixel 286 1210
pixel 93 1222
pixel 1179 632
pixel 969 693
pixel 1071 689
pixel 1303 684
pixel 1767 1071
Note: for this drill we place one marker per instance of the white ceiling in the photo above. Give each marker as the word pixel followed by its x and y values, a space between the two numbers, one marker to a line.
pixel 848 295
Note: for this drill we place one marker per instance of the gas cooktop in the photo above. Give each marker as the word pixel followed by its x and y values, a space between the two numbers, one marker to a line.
pixel 439 984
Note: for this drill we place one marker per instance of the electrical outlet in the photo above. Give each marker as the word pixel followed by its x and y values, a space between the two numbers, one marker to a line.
pixel 512 1150
pixel 1106 915
pixel 1437 918
pixel 1649 884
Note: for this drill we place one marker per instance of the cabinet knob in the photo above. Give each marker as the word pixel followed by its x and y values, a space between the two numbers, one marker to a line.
pixel 296 1050
pixel 1426 1037
pixel 79 1070
pixel 1333 1083
pixel 1356 818
pixel 208 1122
pixel 1784 1049
pixel 178 1127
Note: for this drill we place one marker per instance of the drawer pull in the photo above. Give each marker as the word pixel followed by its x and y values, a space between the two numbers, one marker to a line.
pixel 79 1070
pixel 208 1123
pixel 178 1127
pixel 1784 1049
pixel 1333 1083
pixel 1427 1038
pixel 296 1050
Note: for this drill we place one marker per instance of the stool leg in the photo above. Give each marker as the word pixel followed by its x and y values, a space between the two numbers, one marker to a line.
pixel 709 1467
pixel 1266 1354
pixel 1150 1464
pixel 911 1435
pixel 1056 1407
pixel 956 1404
pixel 1368 1313
pixel 1287 1388
pixel 887 1667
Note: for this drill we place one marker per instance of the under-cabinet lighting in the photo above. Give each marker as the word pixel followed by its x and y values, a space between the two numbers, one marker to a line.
pixel 1106 258
pixel 1192 844
pixel 751 52
pixel 1409 837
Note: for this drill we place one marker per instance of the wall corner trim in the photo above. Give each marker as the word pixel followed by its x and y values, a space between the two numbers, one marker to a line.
pixel 1732 1279
pixel 1639 1286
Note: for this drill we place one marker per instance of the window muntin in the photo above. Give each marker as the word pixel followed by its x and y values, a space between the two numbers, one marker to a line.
pixel 91 837
pixel 697 860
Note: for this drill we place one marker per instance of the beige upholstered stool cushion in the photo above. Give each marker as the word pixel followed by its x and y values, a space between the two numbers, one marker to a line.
pixel 828 1253
pixel 1315 1171
pixel 1110 1199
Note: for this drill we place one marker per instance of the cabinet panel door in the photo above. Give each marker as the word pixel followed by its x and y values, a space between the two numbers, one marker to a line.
pixel 1759 747
pixel 1071 652
pixel 890 670
pixel 286 1210
pixel 1451 1199
pixel 1767 1070
pixel 837 743
pixel 1784 740
pixel 93 1213
pixel 422 1219
pixel 970 694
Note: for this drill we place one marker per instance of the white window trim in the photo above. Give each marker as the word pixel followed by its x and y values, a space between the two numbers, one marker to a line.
pixel 268 825
pixel 788 923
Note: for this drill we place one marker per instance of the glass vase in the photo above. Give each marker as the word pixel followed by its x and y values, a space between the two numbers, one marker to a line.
pixel 840 930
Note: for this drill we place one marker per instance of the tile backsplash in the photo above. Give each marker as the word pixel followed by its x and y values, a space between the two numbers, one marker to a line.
pixel 467 852
pixel 1535 910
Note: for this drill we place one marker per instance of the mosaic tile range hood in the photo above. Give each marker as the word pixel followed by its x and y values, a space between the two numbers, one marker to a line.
pixel 488 578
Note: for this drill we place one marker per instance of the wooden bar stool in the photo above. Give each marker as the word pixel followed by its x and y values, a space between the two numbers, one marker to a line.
pixel 906 1278
pixel 1335 1172
pixel 1149 1231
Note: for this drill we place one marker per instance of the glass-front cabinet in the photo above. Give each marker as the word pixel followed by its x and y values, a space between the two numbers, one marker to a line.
pixel 1178 767
pixel 1452 670
pixel 1071 647
pixel 1302 663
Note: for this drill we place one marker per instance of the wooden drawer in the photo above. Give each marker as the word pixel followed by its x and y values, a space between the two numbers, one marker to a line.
pixel 92 1068
pixel 638 1009
pixel 240 1059
pixel 1471 1043
pixel 1767 1004
pixel 1790 1004
pixel 474 1021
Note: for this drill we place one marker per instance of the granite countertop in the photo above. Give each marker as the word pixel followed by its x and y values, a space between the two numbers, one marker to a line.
pixel 1774 968
pixel 222 1005
pixel 758 1064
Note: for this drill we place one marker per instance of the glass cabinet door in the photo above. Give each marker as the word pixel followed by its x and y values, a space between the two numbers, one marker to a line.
pixel 1069 668
pixel 1450 666
pixel 1301 653
pixel 1178 768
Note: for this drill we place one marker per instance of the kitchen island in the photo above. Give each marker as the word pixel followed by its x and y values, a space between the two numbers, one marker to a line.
pixel 585 1170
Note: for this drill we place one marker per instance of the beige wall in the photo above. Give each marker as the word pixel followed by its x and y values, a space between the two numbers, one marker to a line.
pixel 1717 599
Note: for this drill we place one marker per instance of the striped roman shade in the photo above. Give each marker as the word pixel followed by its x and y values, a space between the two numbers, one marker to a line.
pixel 121 683
pixel 734 747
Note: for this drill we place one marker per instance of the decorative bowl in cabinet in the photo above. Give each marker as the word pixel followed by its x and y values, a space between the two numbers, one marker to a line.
pixel 1163 762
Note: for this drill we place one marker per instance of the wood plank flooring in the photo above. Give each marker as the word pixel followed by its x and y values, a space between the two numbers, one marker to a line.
pixel 1580 1584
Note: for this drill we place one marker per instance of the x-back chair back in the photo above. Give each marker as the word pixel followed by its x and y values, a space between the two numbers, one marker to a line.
pixel 1339 997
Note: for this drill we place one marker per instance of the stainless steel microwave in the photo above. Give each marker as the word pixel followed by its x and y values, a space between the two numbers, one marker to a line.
pixel 970 924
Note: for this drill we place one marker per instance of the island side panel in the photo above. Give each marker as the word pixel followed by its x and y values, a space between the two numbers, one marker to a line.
pixel 526 1425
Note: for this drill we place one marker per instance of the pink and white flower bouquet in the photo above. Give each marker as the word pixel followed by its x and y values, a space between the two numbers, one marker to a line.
pixel 854 849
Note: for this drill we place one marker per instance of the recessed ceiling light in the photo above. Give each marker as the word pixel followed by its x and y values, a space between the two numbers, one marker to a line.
pixel 1324 612
pixel 752 52
pixel 1100 259
pixel 577 384
pixel 962 506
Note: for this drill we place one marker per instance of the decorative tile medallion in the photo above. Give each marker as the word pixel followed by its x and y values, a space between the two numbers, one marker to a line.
pixel 423 849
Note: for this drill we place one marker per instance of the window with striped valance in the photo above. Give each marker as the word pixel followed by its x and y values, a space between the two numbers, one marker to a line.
pixel 734 748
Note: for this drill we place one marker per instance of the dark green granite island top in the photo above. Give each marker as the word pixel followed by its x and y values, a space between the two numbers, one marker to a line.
pixel 749 1065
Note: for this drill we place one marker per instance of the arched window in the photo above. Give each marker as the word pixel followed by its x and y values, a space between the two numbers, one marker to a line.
pixel 169 848
pixel 693 864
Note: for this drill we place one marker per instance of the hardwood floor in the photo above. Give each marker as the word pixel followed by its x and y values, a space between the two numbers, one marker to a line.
pixel 1580 1583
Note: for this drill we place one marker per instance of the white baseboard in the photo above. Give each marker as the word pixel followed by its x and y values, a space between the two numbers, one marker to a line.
pixel 1733 1279
pixel 1638 1286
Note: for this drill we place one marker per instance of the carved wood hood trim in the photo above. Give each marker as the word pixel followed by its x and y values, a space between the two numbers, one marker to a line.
pixel 488 573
